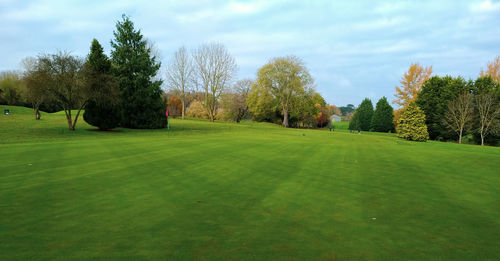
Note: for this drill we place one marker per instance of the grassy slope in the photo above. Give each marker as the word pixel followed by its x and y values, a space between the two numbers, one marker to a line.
pixel 251 191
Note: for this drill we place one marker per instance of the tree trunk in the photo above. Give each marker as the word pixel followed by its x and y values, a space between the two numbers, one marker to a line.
pixel 76 117
pixel 482 139
pixel 460 137
pixel 37 113
pixel 68 118
pixel 285 118
pixel 70 123
pixel 183 108
pixel 211 115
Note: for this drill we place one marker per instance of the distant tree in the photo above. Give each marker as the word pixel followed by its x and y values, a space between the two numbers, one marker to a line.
pixel 261 104
pixel 493 70
pixel 347 109
pixel 348 116
pixel 488 112
pixel 334 110
pixel 307 110
pixel 38 80
pixel 412 124
pixel 323 116
pixel 458 118
pixel 383 116
pixel 135 68
pixel 436 93
pixel 411 84
pixel 67 85
pixel 486 84
pixel 215 67
pixel 196 110
pixel 235 101
pixel 174 106
pixel 12 88
pixel 180 75
pixel 365 114
pixel 286 79
pixel 397 114
pixel 319 111
pixel 103 107
pixel 354 123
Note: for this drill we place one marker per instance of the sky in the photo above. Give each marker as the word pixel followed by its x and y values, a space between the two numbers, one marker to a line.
pixel 353 49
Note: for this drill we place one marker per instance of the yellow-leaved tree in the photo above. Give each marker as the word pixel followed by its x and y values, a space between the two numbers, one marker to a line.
pixel 411 84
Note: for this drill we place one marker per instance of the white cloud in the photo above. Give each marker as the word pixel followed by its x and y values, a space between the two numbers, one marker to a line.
pixel 486 6
pixel 246 8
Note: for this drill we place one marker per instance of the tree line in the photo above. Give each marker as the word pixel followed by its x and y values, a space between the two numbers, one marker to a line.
pixel 201 85
pixel 125 88
pixel 439 108
pixel 118 91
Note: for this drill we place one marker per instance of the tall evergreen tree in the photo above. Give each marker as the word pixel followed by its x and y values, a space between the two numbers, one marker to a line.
pixel 412 124
pixel 135 67
pixel 365 114
pixel 102 110
pixel 383 116
pixel 354 122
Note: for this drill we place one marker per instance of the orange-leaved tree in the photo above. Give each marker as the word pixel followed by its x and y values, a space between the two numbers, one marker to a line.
pixel 493 70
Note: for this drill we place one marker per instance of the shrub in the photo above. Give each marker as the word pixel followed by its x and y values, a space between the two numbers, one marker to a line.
pixel 197 110
pixel 412 124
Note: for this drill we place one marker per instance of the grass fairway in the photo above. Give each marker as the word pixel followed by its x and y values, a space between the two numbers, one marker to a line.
pixel 250 191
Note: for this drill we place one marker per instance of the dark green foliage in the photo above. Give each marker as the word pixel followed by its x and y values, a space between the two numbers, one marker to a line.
pixel 383 116
pixel 97 60
pixel 486 84
pixel 135 68
pixel 103 109
pixel 354 123
pixel 412 124
pixel 103 116
pixel 434 98
pixel 364 115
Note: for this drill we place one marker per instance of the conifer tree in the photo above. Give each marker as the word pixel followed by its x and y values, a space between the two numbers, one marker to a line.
pixel 412 124
pixel 365 114
pixel 354 122
pixel 102 110
pixel 135 67
pixel 383 116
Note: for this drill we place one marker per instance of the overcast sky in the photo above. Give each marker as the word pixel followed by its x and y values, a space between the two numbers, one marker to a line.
pixel 353 49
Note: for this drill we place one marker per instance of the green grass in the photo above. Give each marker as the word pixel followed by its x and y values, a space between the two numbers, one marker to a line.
pixel 250 191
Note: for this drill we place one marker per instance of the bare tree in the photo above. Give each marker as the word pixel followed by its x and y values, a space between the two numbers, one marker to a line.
pixel 489 115
pixel 458 118
pixel 67 86
pixel 37 79
pixel 179 75
pixel 215 68
pixel 234 102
